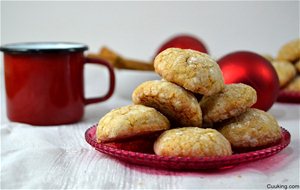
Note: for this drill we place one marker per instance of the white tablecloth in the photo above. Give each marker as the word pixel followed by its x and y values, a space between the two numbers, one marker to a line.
pixel 59 157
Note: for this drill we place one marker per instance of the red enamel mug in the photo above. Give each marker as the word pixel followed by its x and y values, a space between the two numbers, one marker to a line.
pixel 44 82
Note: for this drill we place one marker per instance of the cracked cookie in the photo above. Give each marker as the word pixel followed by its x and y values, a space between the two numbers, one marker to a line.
pixel 130 121
pixel 232 101
pixel 178 105
pixel 192 70
pixel 290 51
pixel 253 128
pixel 297 65
pixel 192 142
pixel 294 85
pixel 285 71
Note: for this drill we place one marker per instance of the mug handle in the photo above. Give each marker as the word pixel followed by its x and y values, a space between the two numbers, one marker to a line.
pixel 111 81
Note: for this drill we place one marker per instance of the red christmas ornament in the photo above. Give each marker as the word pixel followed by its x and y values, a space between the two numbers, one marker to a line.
pixel 184 42
pixel 254 70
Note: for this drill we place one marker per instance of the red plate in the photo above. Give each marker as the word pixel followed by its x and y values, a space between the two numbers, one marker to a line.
pixel 184 163
pixel 288 97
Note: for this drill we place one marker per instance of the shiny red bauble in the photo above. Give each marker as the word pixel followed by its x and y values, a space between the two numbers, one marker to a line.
pixel 252 69
pixel 184 41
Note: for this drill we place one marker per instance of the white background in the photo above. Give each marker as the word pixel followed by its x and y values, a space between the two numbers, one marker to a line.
pixel 137 29
pixel 59 157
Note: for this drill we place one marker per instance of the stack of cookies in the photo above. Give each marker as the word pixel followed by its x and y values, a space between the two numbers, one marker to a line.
pixel 287 66
pixel 218 120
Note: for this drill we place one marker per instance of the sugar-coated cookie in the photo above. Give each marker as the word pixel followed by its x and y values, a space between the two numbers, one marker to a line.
pixel 297 65
pixel 285 71
pixel 232 101
pixel 177 104
pixel 253 128
pixel 294 85
pixel 192 70
pixel 290 51
pixel 192 142
pixel 130 121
